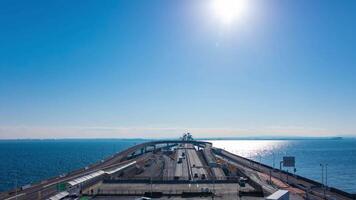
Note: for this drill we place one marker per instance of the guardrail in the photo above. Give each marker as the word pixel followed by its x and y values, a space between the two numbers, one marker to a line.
pixel 317 184
pixel 171 180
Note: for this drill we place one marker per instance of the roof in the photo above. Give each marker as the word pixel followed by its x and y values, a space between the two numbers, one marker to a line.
pixel 277 195
pixel 59 196
pixel 120 168
pixel 98 173
pixel 85 178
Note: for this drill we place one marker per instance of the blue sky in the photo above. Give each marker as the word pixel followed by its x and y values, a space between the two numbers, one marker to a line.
pixel 158 68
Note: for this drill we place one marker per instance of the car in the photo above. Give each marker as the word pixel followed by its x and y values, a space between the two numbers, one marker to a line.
pixel 143 198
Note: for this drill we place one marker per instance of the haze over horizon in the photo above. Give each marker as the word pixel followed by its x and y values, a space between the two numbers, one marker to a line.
pixel 121 69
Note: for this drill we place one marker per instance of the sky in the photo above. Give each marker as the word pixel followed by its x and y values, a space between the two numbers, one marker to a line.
pixel 158 68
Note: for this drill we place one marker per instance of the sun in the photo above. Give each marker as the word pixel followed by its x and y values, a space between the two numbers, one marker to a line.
pixel 228 11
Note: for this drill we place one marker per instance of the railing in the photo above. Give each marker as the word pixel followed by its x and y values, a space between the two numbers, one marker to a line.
pixel 184 188
pixel 170 193
pixel 171 180
pixel 255 165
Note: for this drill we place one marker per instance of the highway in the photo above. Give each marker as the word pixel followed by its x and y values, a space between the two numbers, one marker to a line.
pixel 196 166
pixel 314 191
pixel 188 165
pixel 47 188
pixel 181 166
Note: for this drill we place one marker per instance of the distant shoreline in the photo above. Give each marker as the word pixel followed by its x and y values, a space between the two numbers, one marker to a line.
pixel 278 138
pixel 212 138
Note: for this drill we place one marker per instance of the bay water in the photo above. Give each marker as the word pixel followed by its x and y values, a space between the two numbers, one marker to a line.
pixel 29 161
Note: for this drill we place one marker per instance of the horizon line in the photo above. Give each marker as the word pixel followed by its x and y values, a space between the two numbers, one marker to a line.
pixel 198 138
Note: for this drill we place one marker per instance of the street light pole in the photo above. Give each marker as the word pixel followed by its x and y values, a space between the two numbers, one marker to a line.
pixel 16 183
pixel 322 174
pixel 212 197
pixel 259 165
pixel 151 185
pixel 280 169
pixel 326 175
pixel 322 177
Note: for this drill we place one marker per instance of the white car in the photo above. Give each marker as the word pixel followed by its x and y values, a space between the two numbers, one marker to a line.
pixel 143 198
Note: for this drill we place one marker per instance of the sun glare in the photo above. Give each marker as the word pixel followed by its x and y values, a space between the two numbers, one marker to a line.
pixel 227 11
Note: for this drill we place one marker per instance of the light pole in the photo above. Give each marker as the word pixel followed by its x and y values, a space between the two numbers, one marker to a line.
pixel 322 174
pixel 259 164
pixel 16 183
pixel 151 185
pixel 212 197
pixel 326 175
pixel 307 193
pixel 322 177
pixel 280 169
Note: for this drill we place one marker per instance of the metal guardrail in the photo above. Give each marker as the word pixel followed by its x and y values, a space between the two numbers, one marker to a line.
pixel 171 180
pixel 182 193
pixel 317 184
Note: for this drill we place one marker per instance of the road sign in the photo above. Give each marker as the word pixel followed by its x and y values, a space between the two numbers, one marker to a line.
pixel 288 161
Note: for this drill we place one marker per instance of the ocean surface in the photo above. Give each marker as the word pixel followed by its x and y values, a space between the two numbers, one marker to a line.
pixel 29 161
pixel 338 154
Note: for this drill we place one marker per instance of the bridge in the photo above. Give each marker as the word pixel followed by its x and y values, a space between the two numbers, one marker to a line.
pixel 48 188
pixel 170 167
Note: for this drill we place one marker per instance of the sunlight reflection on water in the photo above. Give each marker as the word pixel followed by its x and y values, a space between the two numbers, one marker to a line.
pixel 339 154
pixel 251 148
